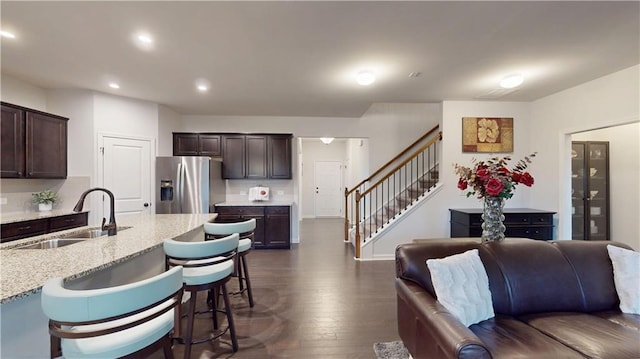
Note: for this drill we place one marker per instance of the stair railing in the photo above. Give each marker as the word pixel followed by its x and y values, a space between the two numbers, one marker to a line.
pixel 370 207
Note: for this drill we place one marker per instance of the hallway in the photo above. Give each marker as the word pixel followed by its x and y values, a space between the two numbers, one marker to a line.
pixel 313 301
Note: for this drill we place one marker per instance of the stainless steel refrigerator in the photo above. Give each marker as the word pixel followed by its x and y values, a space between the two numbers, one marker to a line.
pixel 188 184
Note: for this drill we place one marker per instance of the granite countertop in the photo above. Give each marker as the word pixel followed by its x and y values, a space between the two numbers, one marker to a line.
pixel 24 271
pixel 253 203
pixel 28 216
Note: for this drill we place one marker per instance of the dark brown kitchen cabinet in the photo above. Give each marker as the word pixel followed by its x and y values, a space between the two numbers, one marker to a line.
pixel 272 223
pixel 196 144
pixel 233 156
pixel 279 156
pixel 277 227
pixel 12 142
pixel 590 219
pixel 34 143
pixel 256 156
pixel 209 145
pixel 24 229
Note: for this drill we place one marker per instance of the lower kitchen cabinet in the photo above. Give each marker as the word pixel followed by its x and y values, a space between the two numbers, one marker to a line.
pixel 24 229
pixel 273 223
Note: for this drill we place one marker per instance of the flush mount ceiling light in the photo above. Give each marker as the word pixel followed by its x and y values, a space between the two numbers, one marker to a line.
pixel 512 81
pixel 143 41
pixel 326 140
pixel 202 85
pixel 114 85
pixel 365 78
pixel 7 34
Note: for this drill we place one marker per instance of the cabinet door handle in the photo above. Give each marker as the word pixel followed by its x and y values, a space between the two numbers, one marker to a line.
pixel 69 220
pixel 24 228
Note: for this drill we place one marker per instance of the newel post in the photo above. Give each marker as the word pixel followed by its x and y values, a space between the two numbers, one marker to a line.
pixel 357 220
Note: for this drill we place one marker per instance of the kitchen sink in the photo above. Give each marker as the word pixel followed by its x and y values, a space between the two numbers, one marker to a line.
pixel 70 238
pixel 90 233
pixel 51 243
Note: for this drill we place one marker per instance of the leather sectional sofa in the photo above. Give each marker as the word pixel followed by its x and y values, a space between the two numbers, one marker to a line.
pixel 552 299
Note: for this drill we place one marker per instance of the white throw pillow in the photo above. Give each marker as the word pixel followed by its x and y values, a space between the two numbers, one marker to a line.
pixel 626 276
pixel 462 286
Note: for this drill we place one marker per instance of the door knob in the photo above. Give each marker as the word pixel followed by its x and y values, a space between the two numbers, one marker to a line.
pixel 146 204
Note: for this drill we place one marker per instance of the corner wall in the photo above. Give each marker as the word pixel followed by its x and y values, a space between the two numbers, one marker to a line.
pixel 608 101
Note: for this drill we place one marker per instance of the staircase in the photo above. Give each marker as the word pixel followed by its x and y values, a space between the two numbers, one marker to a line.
pixel 377 201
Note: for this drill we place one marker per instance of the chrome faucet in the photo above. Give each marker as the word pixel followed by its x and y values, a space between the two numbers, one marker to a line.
pixel 111 227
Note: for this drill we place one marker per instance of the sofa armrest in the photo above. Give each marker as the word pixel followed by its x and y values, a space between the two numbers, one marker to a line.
pixel 429 330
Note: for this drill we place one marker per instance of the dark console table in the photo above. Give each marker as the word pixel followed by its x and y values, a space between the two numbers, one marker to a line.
pixel 520 222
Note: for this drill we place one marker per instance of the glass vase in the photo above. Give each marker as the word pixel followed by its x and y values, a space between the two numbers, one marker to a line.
pixel 492 218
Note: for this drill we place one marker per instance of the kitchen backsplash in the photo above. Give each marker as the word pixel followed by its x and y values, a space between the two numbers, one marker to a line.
pixel 16 194
pixel 279 190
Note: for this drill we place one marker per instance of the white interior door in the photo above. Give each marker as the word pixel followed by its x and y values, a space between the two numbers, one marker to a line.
pixel 126 171
pixel 328 184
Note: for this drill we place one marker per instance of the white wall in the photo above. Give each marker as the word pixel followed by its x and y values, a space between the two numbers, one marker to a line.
pixel 168 122
pixel 608 101
pixel 624 186
pixel 391 127
pixel 314 150
pixel 78 107
pixel 121 115
pixel 357 161
pixel 22 93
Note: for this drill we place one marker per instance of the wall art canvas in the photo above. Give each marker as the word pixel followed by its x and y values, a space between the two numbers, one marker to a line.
pixel 487 134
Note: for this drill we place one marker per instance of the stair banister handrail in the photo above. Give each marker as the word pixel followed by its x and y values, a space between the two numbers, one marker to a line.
pixel 400 165
pixel 399 155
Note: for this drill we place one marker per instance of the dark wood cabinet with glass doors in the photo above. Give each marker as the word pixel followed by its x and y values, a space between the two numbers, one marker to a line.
pixel 590 190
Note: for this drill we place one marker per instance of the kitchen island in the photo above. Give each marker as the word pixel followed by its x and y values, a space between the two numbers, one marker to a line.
pixel 133 254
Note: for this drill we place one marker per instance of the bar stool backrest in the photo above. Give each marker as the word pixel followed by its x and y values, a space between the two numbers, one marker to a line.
pixel 216 230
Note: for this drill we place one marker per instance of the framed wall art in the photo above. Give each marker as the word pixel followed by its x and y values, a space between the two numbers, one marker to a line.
pixel 487 134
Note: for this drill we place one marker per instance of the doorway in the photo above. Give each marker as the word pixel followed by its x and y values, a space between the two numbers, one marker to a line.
pixel 125 165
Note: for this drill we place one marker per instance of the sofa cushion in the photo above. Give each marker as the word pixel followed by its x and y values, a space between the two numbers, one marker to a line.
pixel 530 276
pixel 593 270
pixel 506 337
pixel 628 320
pixel 591 335
pixel 626 276
pixel 461 286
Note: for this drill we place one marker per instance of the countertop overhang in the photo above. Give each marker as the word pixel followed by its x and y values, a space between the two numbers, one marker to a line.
pixel 24 271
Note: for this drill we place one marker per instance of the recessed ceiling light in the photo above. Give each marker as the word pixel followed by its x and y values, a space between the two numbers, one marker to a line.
pixel 512 81
pixel 202 88
pixel 145 38
pixel 365 78
pixel 7 34
pixel 326 140
pixel 114 85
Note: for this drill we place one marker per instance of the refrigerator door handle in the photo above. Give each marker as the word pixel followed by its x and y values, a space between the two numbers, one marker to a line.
pixel 180 180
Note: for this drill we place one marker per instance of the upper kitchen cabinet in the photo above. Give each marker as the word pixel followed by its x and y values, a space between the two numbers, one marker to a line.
pixel 256 156
pixel 279 158
pixel 196 144
pixel 12 142
pixel 34 143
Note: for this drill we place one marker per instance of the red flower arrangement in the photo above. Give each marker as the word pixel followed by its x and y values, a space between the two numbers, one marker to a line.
pixel 493 178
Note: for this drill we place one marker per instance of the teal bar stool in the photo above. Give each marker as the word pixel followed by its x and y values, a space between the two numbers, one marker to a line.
pixel 245 229
pixel 208 266
pixel 127 321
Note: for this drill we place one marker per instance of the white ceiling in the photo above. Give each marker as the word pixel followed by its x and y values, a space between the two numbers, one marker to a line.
pixel 299 58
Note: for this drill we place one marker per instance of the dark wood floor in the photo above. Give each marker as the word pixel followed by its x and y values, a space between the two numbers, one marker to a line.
pixel 313 301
